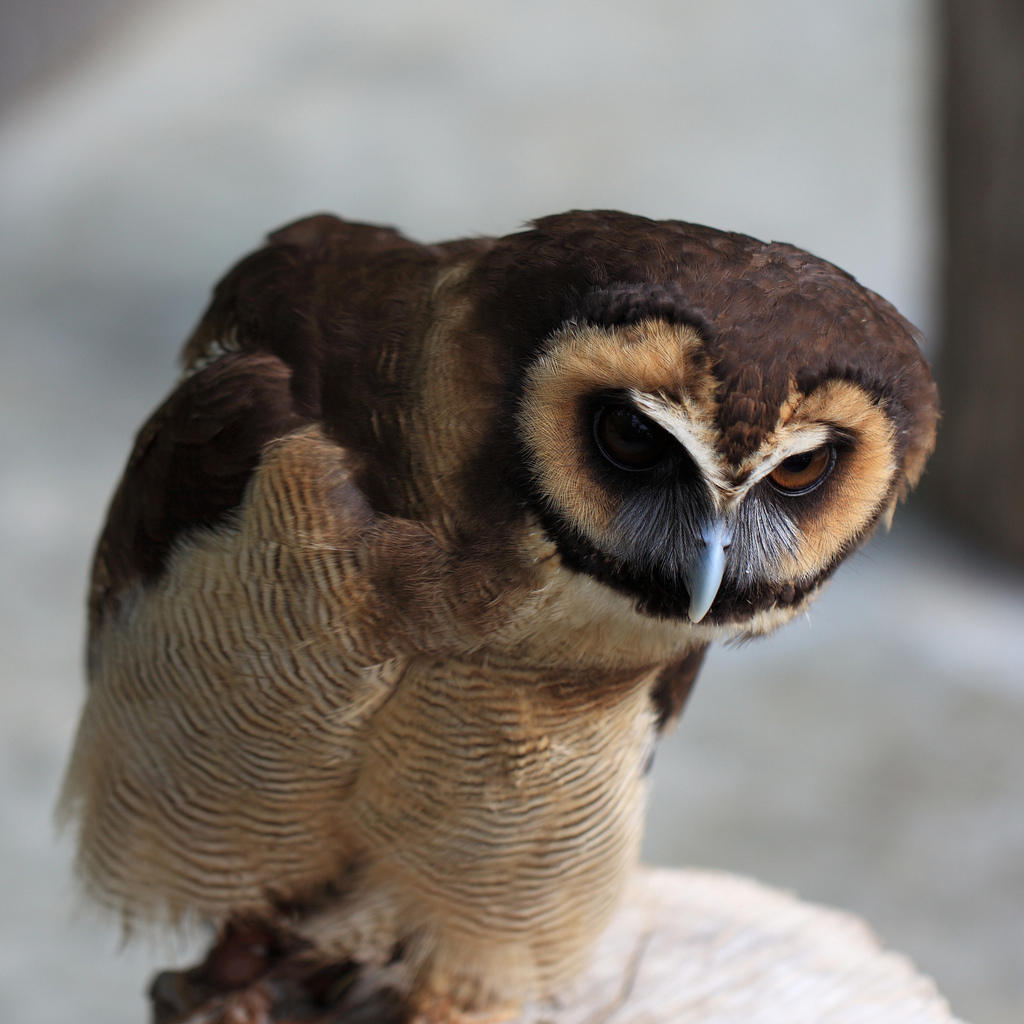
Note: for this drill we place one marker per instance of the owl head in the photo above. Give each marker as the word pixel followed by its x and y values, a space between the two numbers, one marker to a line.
pixel 701 421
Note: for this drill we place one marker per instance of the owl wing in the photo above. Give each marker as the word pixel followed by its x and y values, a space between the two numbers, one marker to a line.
pixel 190 466
pixel 239 644
pixel 303 309
pixel 673 686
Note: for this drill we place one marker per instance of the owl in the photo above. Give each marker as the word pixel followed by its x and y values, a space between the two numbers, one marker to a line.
pixel 423 552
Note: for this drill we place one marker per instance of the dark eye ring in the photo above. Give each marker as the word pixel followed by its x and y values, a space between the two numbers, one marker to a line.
pixel 628 439
pixel 801 473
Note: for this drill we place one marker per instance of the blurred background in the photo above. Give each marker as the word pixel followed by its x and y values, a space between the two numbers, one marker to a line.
pixel 870 756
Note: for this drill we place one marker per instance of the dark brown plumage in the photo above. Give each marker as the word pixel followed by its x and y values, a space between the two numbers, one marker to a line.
pixel 406 575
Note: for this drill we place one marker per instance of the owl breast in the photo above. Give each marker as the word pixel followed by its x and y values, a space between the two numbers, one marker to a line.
pixel 503 827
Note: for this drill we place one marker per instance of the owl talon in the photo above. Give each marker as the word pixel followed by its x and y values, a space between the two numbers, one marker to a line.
pixel 235 985
pixel 177 999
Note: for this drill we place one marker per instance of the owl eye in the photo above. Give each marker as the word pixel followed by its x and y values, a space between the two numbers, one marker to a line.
pixel 627 439
pixel 803 472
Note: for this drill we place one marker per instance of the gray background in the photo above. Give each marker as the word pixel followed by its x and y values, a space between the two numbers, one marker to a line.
pixel 869 756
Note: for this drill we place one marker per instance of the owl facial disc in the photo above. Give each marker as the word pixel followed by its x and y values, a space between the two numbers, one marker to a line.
pixel 704 572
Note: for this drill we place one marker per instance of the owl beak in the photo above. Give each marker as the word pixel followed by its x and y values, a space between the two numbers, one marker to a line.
pixel 704 573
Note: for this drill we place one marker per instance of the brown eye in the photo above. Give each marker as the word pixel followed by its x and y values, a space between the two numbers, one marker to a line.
pixel 803 472
pixel 629 440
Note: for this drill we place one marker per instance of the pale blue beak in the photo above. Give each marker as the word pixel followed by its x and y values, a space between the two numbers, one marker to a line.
pixel 704 573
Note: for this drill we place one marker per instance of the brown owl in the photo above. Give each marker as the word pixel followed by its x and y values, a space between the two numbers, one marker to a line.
pixel 422 553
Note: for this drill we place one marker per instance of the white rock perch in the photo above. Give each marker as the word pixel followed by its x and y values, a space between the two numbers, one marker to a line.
pixel 690 947
pixel 713 948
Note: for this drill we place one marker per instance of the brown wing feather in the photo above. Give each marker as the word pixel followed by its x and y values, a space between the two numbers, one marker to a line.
pixel 673 687
pixel 191 463
pixel 324 299
pixel 301 296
